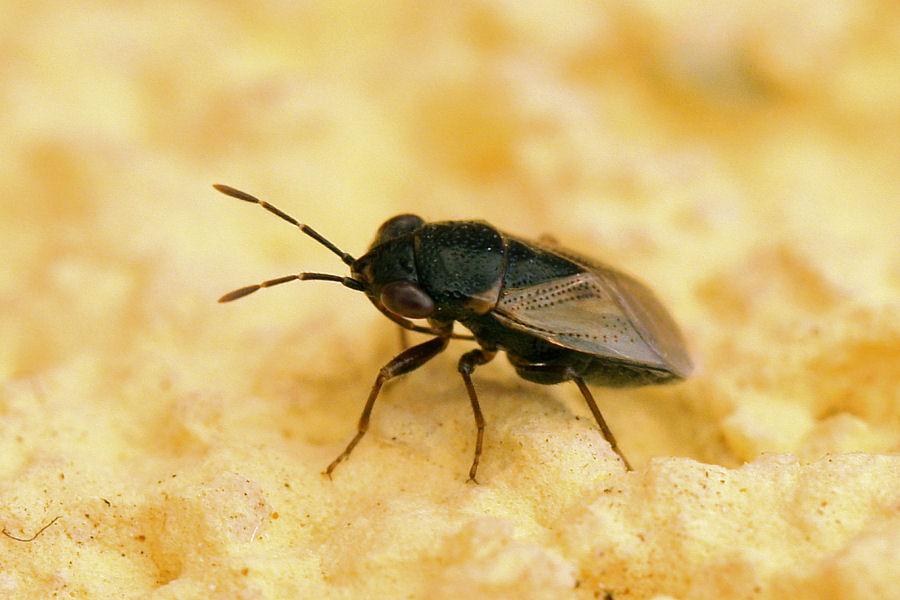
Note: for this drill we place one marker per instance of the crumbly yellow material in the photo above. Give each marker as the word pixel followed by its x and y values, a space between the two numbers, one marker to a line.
pixel 741 159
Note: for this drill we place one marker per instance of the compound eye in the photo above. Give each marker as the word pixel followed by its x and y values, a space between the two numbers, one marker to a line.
pixel 396 227
pixel 407 300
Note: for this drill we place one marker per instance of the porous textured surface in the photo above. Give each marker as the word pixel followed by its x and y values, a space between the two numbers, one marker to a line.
pixel 742 159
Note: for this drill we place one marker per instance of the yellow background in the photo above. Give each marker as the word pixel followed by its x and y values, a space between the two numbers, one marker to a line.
pixel 743 159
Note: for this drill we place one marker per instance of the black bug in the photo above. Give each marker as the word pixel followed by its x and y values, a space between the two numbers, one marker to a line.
pixel 557 315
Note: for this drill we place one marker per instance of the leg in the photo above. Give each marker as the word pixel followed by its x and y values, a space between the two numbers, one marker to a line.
pixel 604 428
pixel 408 360
pixel 404 339
pixel 550 374
pixel 467 364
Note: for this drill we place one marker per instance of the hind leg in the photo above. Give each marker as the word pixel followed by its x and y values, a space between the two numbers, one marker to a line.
pixel 550 374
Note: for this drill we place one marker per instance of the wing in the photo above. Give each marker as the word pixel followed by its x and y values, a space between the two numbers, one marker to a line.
pixel 601 312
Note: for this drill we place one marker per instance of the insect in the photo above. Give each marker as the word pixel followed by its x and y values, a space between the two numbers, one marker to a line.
pixel 558 316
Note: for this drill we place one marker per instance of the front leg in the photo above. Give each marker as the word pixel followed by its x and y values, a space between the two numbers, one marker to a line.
pixel 408 360
pixel 467 364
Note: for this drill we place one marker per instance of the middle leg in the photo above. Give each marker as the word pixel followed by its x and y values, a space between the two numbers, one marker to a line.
pixel 467 364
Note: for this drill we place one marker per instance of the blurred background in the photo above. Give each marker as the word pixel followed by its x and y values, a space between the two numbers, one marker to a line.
pixel 742 158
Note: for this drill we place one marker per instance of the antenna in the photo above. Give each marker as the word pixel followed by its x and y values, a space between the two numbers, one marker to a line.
pixel 235 193
pixel 349 282
pixel 244 291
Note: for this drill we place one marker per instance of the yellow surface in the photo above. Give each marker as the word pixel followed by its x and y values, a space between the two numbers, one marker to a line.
pixel 741 158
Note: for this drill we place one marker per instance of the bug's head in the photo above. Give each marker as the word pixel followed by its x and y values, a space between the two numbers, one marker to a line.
pixel 386 273
pixel 388 270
